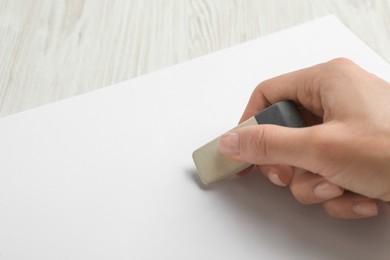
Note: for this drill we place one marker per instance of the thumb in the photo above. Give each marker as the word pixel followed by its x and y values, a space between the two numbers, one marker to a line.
pixel 267 145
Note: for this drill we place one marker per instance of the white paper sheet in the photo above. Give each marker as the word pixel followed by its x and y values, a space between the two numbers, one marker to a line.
pixel 109 174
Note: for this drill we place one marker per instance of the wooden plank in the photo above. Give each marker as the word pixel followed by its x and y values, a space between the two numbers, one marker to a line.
pixel 52 50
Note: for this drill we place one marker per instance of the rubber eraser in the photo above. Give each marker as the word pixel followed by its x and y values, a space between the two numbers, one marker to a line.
pixel 213 166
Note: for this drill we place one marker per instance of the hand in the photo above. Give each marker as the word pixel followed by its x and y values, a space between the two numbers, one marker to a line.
pixel 342 159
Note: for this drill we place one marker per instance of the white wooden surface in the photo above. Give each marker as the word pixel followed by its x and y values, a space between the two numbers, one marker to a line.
pixel 53 49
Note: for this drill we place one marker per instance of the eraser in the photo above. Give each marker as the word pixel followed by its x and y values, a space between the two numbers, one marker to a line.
pixel 213 166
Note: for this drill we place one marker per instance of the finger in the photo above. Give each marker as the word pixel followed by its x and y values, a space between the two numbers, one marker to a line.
pixel 280 175
pixel 309 188
pixel 351 206
pixel 302 86
pixel 268 145
pixel 283 87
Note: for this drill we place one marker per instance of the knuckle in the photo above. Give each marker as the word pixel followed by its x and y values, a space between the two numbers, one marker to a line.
pixel 341 67
pixel 259 144
pixel 300 195
pixel 335 70
pixel 334 209
pixel 341 62
pixel 330 210
pixel 323 146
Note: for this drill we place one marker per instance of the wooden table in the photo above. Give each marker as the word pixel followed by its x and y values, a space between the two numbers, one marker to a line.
pixel 54 49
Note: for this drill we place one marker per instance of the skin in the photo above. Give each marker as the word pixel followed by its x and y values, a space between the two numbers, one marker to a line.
pixel 342 159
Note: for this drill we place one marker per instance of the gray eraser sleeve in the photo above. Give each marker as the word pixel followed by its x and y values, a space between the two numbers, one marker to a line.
pixel 283 113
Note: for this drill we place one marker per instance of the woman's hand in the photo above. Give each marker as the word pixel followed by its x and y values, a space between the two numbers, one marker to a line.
pixel 342 159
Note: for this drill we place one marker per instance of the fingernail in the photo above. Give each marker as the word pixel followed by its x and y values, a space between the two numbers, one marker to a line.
pixel 367 209
pixel 229 144
pixel 327 190
pixel 275 179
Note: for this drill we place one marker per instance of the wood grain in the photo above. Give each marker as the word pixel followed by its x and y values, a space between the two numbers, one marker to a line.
pixel 54 49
